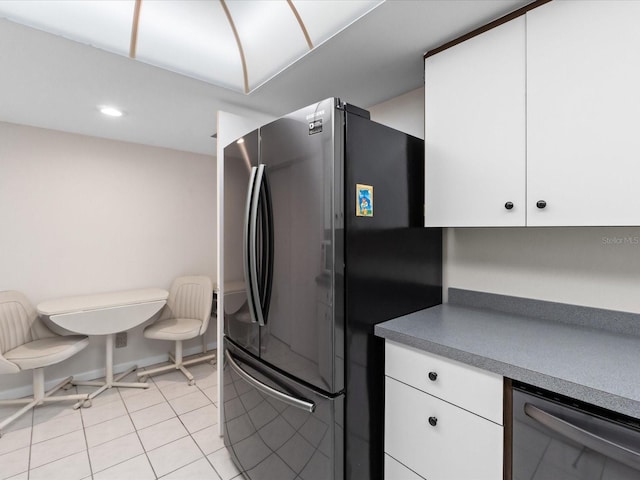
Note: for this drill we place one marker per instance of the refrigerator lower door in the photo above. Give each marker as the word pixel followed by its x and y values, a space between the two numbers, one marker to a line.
pixel 277 429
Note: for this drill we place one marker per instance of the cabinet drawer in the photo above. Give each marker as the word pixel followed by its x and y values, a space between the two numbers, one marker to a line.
pixel 460 446
pixel 394 470
pixel 476 390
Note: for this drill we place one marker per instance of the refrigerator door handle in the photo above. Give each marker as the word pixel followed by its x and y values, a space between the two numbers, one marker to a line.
pixel 267 390
pixel 249 233
pixel 267 248
pixel 254 287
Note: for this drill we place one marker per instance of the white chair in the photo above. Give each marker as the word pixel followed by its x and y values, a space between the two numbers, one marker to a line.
pixel 186 315
pixel 27 344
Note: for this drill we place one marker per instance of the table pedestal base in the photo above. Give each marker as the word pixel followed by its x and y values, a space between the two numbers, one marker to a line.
pixel 110 380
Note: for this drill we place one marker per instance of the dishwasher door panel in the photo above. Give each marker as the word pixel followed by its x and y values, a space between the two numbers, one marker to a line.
pixel 554 440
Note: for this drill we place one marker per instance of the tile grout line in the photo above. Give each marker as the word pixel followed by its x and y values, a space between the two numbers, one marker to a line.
pixel 146 454
pixel 177 416
pixel 121 398
pixel 84 433
pixel 206 457
pixel 185 427
pixel 128 414
pixel 189 434
pixel 33 416
pixel 52 438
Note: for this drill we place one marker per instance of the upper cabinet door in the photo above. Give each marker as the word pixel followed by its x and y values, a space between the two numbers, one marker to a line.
pixel 475 131
pixel 583 113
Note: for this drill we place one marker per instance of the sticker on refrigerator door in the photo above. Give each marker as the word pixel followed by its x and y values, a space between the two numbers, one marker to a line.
pixel 315 126
pixel 364 200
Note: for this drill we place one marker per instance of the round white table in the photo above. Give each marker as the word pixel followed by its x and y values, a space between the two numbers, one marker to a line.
pixel 104 314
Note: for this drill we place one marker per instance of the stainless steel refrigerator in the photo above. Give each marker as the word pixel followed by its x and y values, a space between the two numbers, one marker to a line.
pixel 324 225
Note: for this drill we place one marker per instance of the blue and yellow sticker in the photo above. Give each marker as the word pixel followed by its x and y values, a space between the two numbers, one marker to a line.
pixel 364 200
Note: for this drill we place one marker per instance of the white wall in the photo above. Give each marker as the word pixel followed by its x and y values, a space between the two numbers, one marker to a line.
pixel 592 266
pixel 85 215
pixel 404 113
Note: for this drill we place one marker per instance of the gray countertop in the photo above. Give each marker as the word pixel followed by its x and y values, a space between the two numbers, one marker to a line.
pixel 589 363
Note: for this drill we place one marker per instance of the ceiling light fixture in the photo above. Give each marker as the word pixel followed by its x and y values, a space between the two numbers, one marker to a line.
pixel 110 111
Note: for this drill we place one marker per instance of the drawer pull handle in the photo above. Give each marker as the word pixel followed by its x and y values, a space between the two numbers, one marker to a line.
pixel 433 421
pixel 433 376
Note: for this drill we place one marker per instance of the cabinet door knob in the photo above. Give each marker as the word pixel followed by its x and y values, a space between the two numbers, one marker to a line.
pixel 508 205
pixel 433 376
pixel 433 421
pixel 541 204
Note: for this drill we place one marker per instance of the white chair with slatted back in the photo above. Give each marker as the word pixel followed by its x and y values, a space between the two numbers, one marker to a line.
pixel 27 344
pixel 186 315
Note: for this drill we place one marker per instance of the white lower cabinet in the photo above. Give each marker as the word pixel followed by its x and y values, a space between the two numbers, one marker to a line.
pixel 429 437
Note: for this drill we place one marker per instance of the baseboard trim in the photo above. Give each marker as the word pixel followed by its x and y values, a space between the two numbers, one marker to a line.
pixel 27 390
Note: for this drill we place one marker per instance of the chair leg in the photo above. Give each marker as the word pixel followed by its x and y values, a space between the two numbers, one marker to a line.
pixel 17 415
pixel 204 357
pixel 48 396
pixel 187 374
pixel 177 363
pixel 38 385
pixel 62 384
pixel 180 365
pixel 39 397
pixel 200 359
pixel 178 358
pixel 16 401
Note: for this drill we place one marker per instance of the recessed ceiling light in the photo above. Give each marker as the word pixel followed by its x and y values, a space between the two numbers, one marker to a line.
pixel 110 111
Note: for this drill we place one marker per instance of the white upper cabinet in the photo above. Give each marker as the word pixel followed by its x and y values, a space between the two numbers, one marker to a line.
pixel 475 130
pixel 583 113
pixel 546 117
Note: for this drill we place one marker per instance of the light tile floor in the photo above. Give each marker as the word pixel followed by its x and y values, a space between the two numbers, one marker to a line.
pixel 167 431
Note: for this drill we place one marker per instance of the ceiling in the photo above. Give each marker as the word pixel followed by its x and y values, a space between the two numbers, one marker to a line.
pixel 52 82
pixel 237 44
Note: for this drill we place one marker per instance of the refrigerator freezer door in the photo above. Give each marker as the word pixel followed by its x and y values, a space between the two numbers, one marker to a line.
pixel 276 428
pixel 299 337
pixel 239 159
pixel 393 267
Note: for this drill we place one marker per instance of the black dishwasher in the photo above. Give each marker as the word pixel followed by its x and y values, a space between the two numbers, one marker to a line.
pixel 556 437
